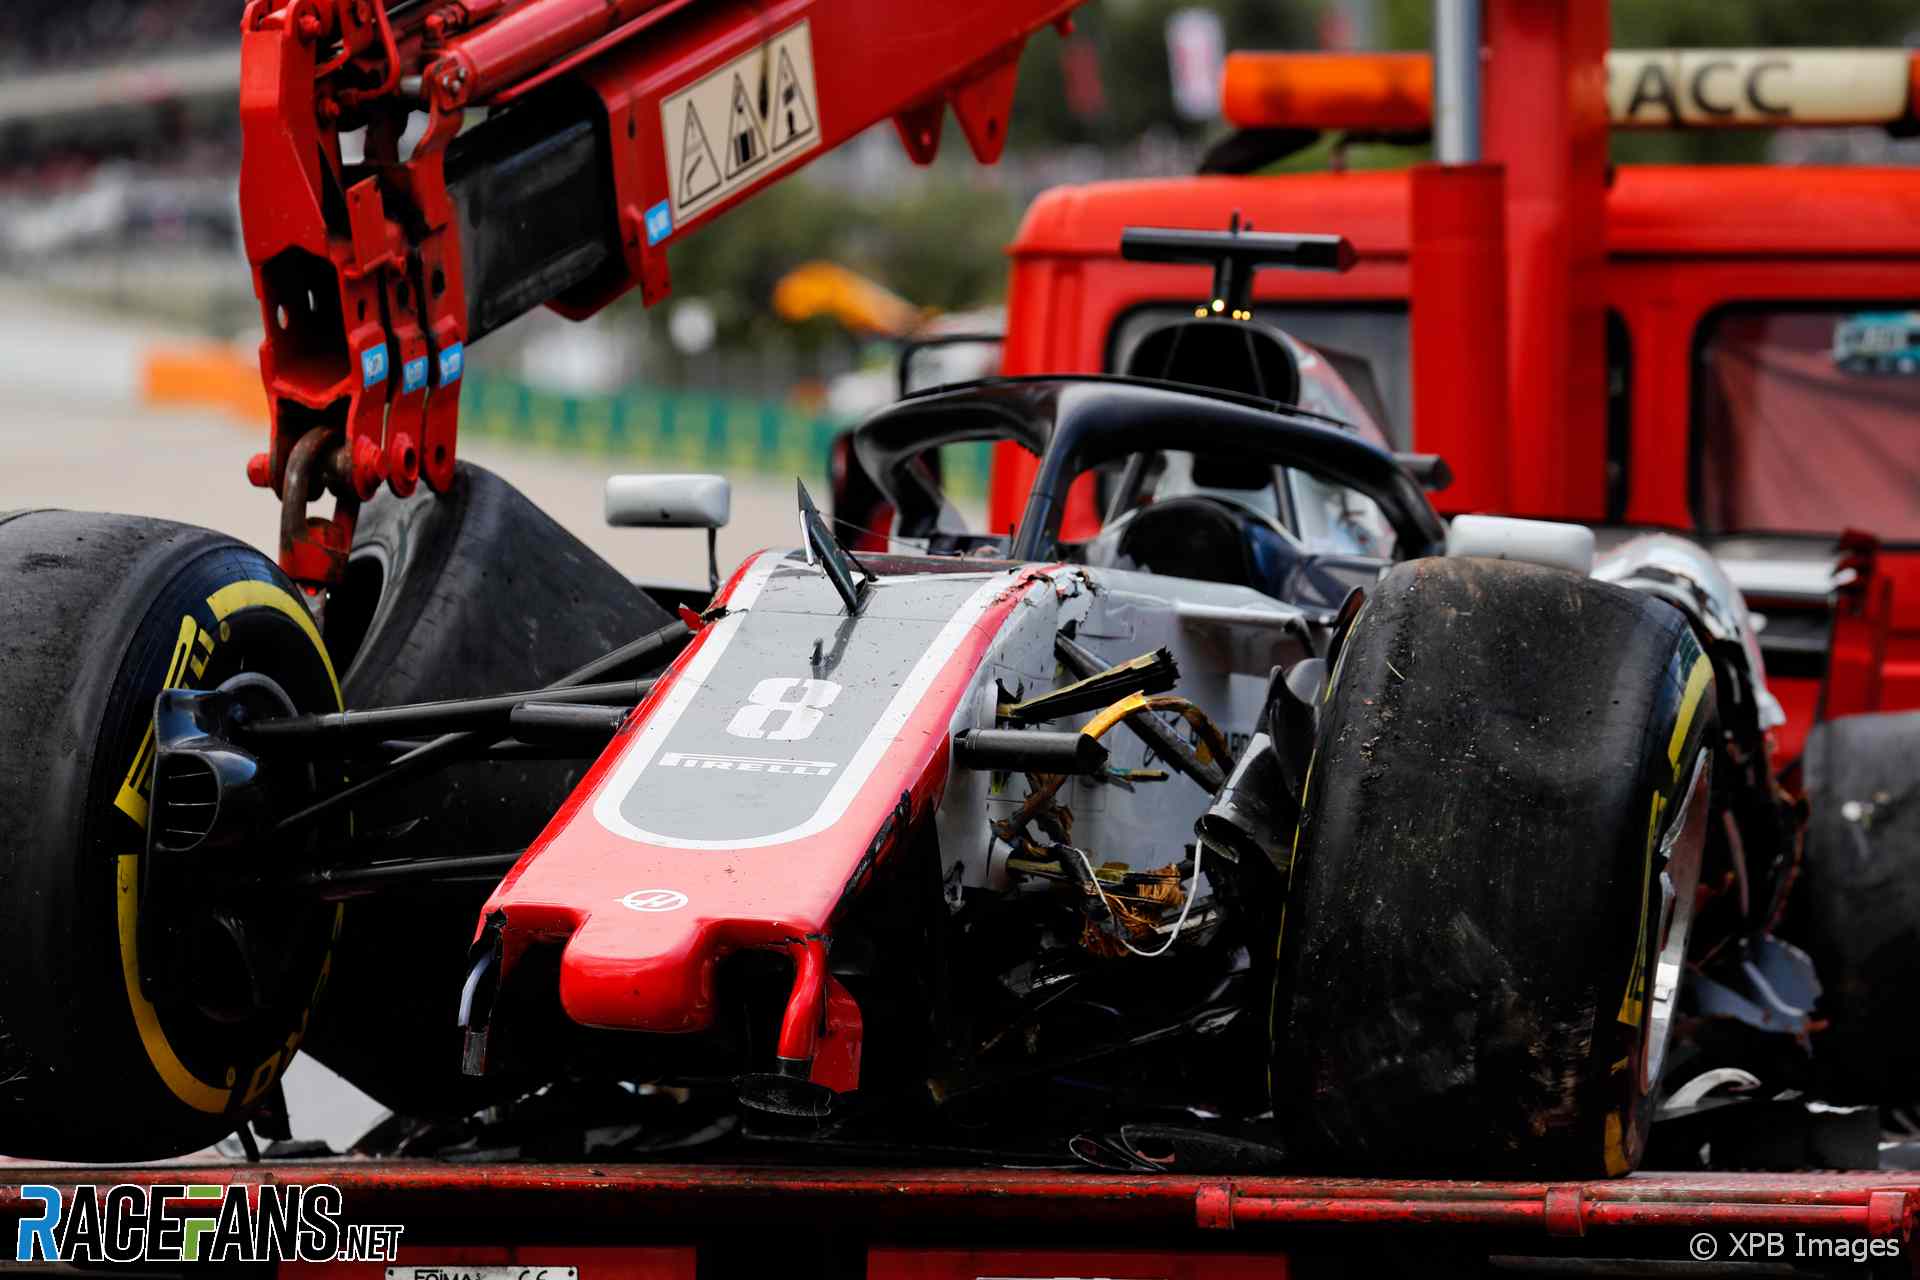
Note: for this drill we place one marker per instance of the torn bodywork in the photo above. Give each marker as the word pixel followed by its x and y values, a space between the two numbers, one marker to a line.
pixel 757 793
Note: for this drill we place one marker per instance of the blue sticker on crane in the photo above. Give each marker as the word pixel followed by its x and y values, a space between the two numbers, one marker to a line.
pixel 413 375
pixel 453 362
pixel 373 366
pixel 659 223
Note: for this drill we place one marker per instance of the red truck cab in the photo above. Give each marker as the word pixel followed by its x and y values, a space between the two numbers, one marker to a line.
pixel 1761 363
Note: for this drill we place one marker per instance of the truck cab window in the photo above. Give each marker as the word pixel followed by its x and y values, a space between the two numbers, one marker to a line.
pixel 1804 420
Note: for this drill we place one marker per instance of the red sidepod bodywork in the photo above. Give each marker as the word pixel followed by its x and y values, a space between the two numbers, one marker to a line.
pixel 783 755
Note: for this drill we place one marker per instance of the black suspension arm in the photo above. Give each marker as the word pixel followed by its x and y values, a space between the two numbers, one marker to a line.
pixel 652 649
pixel 333 883
pixel 496 714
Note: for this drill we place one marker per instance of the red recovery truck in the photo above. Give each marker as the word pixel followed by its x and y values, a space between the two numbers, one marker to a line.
pixel 1636 346
pixel 615 125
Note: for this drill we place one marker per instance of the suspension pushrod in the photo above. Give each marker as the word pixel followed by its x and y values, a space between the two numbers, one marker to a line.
pixel 333 883
pixel 391 749
pixel 657 646
pixel 452 715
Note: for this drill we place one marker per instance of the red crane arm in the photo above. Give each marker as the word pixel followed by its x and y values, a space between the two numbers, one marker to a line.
pixel 610 127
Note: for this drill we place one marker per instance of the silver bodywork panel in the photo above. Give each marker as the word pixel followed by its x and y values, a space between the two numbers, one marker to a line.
pixel 1686 575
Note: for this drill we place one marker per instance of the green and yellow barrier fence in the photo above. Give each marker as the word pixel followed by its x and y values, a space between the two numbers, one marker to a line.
pixel 654 428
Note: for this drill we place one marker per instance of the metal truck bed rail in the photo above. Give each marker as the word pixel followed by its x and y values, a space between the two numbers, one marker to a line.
pixel 656 1200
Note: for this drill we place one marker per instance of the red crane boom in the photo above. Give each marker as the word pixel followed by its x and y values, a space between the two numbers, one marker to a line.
pixel 565 144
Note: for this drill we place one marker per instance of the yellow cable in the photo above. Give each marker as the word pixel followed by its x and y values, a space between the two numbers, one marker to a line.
pixel 1212 744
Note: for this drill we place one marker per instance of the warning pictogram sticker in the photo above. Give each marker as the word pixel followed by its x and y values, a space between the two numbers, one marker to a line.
pixel 741 122
pixel 792 117
pixel 746 145
pixel 699 172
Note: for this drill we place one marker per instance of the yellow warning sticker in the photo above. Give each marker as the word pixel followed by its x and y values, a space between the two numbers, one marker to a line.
pixel 755 115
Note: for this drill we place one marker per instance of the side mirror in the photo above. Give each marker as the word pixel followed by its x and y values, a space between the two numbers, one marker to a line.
pixel 1429 470
pixel 669 502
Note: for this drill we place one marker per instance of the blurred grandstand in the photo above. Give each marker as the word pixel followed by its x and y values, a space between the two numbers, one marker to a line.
pixel 118 149
pixel 41 33
pixel 89 80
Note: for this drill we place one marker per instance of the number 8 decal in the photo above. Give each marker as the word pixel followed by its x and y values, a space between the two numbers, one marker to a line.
pixel 800 701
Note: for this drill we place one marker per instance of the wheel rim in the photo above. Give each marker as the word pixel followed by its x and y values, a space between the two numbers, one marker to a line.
pixel 204 1056
pixel 1681 849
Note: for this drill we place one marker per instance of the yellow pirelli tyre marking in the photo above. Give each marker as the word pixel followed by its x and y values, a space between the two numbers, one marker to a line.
pixel 1340 663
pixel 1615 1144
pixel 133 801
pixel 186 1086
pixel 253 593
pixel 1633 1003
pixel 1697 681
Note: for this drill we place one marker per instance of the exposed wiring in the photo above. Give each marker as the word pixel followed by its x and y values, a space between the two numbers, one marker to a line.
pixel 1199 851
pixel 1042 788
pixel 1213 743
pixel 1011 829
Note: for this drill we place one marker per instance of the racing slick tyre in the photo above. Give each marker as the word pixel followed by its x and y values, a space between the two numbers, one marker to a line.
pixel 96 1061
pixel 1861 896
pixel 1507 796
pixel 471 592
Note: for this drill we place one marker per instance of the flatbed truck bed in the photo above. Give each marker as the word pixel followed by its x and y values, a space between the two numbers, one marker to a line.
pixel 690 1220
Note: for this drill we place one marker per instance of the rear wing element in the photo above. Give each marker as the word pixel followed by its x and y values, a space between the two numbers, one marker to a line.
pixel 565 144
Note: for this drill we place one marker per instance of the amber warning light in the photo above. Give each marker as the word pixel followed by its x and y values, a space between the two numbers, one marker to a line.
pixel 1646 89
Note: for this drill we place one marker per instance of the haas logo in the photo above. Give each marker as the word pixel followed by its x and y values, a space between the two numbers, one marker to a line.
pixel 654 900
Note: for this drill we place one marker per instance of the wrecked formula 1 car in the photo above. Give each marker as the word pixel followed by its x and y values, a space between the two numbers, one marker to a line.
pixel 1279 821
